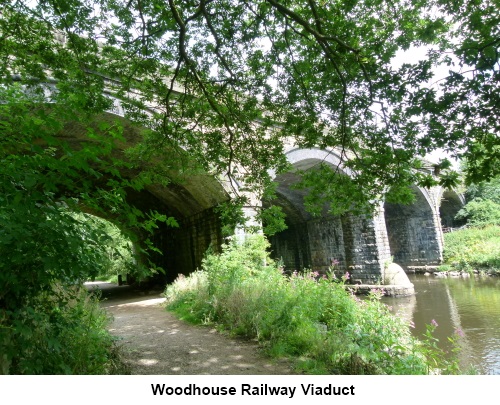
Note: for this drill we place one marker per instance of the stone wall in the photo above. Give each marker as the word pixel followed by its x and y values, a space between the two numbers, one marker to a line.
pixel 451 203
pixel 183 248
pixel 355 243
pixel 414 232
pixel 326 236
pixel 292 248
pixel 364 262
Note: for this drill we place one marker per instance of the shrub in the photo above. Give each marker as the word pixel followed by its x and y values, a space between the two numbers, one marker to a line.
pixel 479 212
pixel 486 190
pixel 305 316
pixel 60 332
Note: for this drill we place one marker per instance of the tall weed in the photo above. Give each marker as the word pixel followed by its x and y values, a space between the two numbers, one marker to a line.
pixel 310 318
pixel 62 331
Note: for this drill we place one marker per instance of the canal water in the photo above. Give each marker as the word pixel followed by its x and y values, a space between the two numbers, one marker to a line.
pixel 469 305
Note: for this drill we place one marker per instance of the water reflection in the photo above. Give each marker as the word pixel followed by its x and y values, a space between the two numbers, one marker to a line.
pixel 470 305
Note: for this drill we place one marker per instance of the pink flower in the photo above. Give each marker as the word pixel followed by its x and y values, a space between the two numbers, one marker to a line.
pixel 459 332
pixel 412 324
pixel 347 276
pixel 434 323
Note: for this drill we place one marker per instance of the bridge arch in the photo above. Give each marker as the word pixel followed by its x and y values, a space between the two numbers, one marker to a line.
pixel 450 203
pixel 357 244
pixel 304 159
pixel 191 200
pixel 414 231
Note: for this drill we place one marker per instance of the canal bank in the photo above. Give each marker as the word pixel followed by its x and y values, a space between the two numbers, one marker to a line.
pixel 469 306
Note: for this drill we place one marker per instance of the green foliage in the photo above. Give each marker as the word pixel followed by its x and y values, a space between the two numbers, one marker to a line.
pixel 304 316
pixel 273 220
pixel 118 257
pixel 231 215
pixel 312 74
pixel 479 212
pixel 473 249
pixel 483 206
pixel 487 190
pixel 45 182
pixel 42 185
pixel 62 331
pixel 236 80
pixel 437 362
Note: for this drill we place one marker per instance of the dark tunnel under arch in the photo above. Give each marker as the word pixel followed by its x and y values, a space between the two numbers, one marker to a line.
pixel 191 200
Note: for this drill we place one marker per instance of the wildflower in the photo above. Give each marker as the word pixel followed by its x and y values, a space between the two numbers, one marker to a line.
pixel 347 275
pixel 434 323
pixel 459 332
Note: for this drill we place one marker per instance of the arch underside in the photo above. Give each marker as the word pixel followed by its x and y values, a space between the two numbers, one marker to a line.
pixel 451 203
pixel 361 245
pixel 348 242
pixel 414 238
pixel 190 200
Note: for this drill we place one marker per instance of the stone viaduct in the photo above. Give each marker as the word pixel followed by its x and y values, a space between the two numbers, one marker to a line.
pixel 411 236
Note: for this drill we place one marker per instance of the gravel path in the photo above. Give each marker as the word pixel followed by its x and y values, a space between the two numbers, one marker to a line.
pixel 154 342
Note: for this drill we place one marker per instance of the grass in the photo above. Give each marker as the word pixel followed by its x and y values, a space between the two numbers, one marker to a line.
pixel 473 249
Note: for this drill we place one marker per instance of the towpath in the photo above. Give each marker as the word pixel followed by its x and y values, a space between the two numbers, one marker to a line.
pixel 155 342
